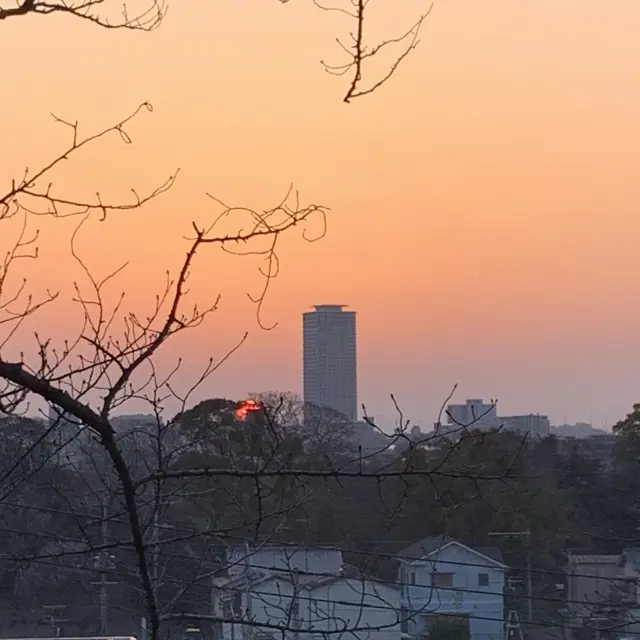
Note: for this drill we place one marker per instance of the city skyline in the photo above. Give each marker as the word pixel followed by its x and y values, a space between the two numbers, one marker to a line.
pixel 446 446
pixel 291 374
pixel 462 268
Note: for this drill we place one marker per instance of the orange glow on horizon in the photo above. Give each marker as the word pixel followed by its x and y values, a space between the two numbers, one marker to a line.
pixel 483 205
pixel 245 407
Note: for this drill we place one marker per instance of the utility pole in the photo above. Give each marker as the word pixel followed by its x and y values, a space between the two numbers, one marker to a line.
pixel 55 620
pixel 154 546
pixel 143 628
pixel 247 632
pixel 529 585
pixel 104 562
pixel 155 572
pixel 527 535
pixel 214 607
pixel 295 605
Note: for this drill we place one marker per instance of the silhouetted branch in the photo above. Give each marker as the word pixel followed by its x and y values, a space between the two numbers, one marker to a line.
pixel 360 53
pixel 147 19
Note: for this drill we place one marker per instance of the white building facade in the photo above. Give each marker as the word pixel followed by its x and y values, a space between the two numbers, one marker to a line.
pixel 315 599
pixel 440 577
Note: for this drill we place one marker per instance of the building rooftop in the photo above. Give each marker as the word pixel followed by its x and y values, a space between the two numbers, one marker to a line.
pixel 592 559
pixel 428 545
pixel 329 307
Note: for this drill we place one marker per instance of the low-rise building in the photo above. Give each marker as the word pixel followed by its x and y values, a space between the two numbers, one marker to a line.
pixel 304 594
pixel 473 414
pixel 590 580
pixel 443 577
pixel 534 425
pixel 603 594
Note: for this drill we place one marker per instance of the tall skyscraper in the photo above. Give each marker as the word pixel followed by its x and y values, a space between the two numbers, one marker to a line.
pixel 329 358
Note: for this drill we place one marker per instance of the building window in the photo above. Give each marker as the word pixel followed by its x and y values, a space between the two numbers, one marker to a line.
pixel 483 579
pixel 628 589
pixel 237 605
pixel 413 577
pixel 442 580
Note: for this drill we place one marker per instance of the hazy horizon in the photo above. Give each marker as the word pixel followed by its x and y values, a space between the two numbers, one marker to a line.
pixel 483 205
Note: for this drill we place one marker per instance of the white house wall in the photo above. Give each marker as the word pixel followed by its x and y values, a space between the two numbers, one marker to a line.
pixel 362 609
pixel 484 605
pixel 348 609
pixel 264 604
pixel 271 603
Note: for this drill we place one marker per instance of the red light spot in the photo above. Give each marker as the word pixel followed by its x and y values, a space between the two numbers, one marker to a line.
pixel 245 407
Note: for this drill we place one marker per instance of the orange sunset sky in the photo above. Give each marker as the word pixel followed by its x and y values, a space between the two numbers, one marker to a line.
pixel 484 204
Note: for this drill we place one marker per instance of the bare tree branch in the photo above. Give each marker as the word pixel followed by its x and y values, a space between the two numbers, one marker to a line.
pixel 360 53
pixel 146 19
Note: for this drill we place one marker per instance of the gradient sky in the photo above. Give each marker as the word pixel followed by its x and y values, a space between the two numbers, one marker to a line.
pixel 484 204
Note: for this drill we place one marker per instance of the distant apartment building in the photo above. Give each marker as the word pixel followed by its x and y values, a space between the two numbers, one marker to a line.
pixel 474 414
pixel 135 421
pixel 371 439
pixel 75 442
pixel 577 430
pixel 477 414
pixel 533 425
pixel 329 359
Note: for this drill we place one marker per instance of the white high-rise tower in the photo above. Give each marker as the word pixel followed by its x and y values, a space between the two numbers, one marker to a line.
pixel 329 359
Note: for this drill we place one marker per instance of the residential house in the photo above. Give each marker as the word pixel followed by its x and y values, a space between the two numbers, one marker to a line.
pixel 304 594
pixel 441 576
pixel 627 589
pixel 590 579
pixel 602 594
pixel 251 561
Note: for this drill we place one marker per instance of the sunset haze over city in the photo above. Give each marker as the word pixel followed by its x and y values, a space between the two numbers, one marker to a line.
pixel 484 205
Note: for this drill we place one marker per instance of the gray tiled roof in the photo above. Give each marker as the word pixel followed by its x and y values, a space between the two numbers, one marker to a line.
pixel 592 558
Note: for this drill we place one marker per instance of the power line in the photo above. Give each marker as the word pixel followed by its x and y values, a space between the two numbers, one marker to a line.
pixel 383 607
pixel 325 575
pixel 222 538
pixel 475 616
pixel 204 535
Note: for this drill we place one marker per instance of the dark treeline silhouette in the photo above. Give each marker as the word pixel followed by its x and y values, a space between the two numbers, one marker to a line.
pixel 215 477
